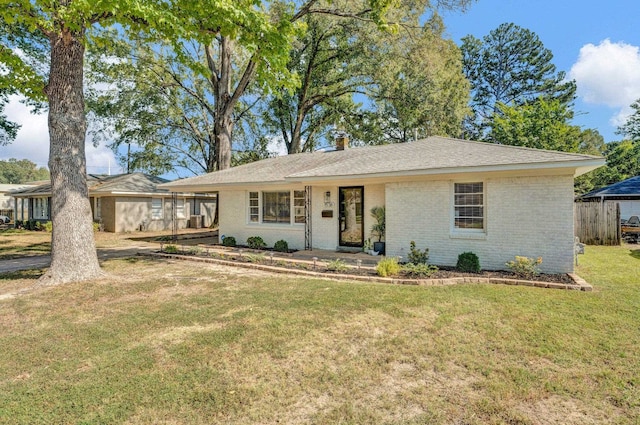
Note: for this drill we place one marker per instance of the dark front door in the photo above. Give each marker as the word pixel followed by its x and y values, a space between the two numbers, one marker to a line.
pixel 351 221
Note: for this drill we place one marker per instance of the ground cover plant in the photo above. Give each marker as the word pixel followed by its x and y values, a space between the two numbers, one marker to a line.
pixel 169 342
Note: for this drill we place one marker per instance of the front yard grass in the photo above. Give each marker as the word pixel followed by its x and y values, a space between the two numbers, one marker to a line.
pixel 178 343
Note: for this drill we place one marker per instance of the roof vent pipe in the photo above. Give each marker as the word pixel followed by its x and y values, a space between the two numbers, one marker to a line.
pixel 342 143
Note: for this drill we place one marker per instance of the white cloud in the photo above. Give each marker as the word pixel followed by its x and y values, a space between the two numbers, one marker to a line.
pixel 32 141
pixel 608 74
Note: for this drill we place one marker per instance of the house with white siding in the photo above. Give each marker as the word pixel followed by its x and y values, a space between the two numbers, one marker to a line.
pixel 448 195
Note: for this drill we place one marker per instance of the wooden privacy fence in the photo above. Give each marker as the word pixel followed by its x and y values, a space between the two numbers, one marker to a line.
pixel 597 223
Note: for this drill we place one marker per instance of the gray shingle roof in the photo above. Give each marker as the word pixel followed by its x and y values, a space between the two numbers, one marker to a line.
pixel 101 184
pixel 628 187
pixel 428 156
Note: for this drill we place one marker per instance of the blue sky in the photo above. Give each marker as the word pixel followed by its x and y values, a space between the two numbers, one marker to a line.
pixel 597 43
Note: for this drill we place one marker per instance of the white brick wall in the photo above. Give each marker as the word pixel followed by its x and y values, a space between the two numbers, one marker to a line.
pixel 325 229
pixel 530 216
pixel 233 221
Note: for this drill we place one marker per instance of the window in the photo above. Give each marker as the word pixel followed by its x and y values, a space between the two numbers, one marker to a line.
pixel 156 208
pixel 299 215
pixel 468 206
pixel 276 207
pixel 97 210
pixel 40 208
pixel 254 207
pixel 180 208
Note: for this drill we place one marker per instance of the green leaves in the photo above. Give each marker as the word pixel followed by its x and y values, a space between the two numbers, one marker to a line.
pixel 540 124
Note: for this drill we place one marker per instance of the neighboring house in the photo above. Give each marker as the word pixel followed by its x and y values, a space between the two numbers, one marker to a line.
pixel 448 195
pixel 7 201
pixel 626 193
pixel 129 202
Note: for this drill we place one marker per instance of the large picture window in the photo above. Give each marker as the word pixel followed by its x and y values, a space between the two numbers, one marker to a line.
pixel 468 206
pixel 284 207
pixel 276 207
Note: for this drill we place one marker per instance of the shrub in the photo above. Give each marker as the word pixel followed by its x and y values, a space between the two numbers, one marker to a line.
pixel 419 270
pixel 468 262
pixel 388 267
pixel 255 258
pixel 417 256
pixel 194 250
pixel 524 266
pixel 337 265
pixel 229 241
pixel 171 249
pixel 47 227
pixel 256 242
pixel 281 246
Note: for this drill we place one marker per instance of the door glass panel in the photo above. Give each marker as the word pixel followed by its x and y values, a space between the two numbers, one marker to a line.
pixel 351 222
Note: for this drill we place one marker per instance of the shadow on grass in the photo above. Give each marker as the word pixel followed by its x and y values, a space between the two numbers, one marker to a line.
pixel 21 251
pixel 635 253
pixel 22 274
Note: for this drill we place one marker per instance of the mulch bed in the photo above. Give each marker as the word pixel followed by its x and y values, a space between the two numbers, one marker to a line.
pixel 442 273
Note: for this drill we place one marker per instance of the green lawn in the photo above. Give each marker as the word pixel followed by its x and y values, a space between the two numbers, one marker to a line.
pixel 178 343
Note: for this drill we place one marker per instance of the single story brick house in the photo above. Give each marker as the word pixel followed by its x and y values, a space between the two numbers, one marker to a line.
pixel 626 193
pixel 125 203
pixel 448 195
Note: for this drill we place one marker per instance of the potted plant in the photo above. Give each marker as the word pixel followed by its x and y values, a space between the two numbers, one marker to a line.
pixel 378 228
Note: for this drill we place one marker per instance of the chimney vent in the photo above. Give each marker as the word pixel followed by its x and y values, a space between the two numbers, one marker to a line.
pixel 342 143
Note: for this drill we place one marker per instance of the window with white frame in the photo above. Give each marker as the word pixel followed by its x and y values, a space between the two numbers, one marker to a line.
pixel 254 207
pixel 156 208
pixel 299 215
pixel 180 208
pixel 468 206
pixel 276 207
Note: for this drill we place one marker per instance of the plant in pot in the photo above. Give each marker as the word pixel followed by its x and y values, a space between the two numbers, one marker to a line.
pixel 378 228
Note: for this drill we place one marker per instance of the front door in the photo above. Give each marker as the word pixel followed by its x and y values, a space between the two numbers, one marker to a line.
pixel 351 221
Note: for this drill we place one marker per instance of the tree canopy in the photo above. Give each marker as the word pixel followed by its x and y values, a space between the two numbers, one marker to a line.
pixel 16 171
pixel 509 66
pixel 540 124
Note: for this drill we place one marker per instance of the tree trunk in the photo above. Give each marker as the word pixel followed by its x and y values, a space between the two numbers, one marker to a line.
pixel 224 131
pixel 73 250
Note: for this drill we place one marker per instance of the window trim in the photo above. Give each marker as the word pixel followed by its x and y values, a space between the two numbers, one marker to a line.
pixel 260 205
pixel 468 232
